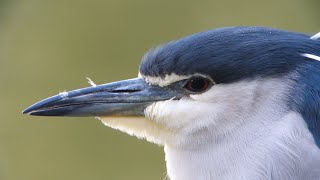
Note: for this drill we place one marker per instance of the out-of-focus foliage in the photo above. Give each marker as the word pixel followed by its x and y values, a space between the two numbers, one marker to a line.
pixel 51 46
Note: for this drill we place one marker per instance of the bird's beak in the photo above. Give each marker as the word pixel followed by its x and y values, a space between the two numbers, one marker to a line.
pixel 122 98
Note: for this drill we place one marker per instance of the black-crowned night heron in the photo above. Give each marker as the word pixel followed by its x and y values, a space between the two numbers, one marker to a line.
pixel 239 103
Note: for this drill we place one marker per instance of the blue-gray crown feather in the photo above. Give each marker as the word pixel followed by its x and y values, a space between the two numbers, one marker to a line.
pixel 231 54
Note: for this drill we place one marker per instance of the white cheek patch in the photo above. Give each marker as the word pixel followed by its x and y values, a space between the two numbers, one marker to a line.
pixel 311 56
pixel 223 107
pixel 178 114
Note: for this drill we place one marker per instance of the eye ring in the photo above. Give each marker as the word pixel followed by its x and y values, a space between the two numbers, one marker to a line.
pixel 198 84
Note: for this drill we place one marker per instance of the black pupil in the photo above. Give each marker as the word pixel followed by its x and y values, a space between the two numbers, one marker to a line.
pixel 197 84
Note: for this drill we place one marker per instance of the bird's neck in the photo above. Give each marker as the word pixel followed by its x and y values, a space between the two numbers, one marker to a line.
pixel 272 152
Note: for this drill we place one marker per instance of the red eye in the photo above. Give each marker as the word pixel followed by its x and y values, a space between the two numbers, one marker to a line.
pixel 198 84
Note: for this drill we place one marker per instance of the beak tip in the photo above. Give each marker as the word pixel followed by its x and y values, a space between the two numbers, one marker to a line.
pixel 35 108
pixel 28 110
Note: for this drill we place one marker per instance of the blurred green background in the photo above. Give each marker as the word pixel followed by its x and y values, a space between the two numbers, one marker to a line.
pixel 50 46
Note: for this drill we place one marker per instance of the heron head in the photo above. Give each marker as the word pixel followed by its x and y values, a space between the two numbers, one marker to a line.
pixel 199 87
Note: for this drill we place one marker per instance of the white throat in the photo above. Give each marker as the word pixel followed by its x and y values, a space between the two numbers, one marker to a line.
pixel 276 151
